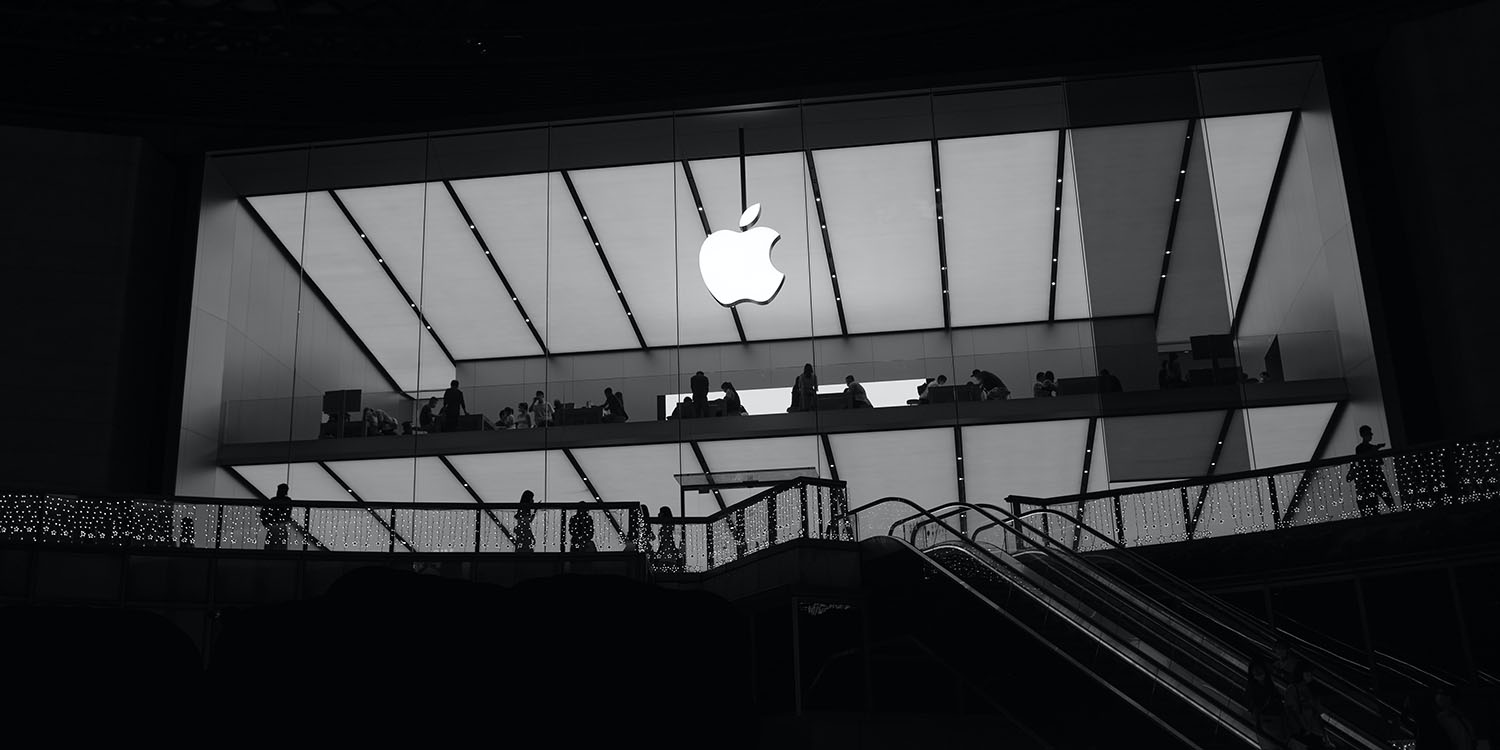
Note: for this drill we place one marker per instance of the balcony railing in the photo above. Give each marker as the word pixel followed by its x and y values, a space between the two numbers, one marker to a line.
pixel 1390 481
pixel 801 508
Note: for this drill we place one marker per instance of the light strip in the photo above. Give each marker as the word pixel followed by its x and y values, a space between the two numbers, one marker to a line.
pixel 707 230
pixel 603 259
pixel 838 297
pixel 495 264
pixel 942 237
pixel 1166 258
pixel 422 319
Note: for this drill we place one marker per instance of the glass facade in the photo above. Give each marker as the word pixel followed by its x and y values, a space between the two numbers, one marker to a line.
pixel 1157 270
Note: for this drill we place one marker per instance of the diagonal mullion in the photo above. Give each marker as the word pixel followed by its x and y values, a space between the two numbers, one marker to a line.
pixel 383 522
pixel 460 477
pixel 687 170
pixel 838 297
pixel 317 291
pixel 707 474
pixel 590 487
pixel 495 265
pixel 1213 464
pixel 603 259
pixel 1083 480
pixel 833 469
pixel 1057 196
pixel 421 318
pixel 1265 222
pixel 1166 258
pixel 942 237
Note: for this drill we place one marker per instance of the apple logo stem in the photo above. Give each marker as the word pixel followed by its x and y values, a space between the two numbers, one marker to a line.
pixel 737 266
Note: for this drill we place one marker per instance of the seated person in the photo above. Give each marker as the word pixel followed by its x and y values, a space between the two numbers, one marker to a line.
pixel 614 406
pixel 683 409
pixel 923 396
pixel 1039 388
pixel 855 392
pixel 507 419
pixel 379 422
pixel 1050 381
pixel 1109 382
pixel 428 420
pixel 732 405
pixel 522 419
pixel 991 387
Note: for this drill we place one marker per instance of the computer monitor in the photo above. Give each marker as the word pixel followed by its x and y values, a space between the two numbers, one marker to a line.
pixel 1075 386
pixel 1215 346
pixel 339 403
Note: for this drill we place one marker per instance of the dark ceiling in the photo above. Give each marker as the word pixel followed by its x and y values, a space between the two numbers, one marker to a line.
pixel 228 73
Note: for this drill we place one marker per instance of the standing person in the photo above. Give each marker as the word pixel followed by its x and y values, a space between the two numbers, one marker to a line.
pixel 275 516
pixel 732 405
pixel 1287 661
pixel 858 399
pixel 991 387
pixel 541 411
pixel 428 420
pixel 453 406
pixel 614 406
pixel 699 386
pixel 1368 475
pixel 1264 703
pixel 1174 372
pixel 524 537
pixel 805 388
pixel 638 534
pixel 667 549
pixel 581 530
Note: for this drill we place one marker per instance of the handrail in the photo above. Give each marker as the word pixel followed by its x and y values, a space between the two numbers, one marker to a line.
pixel 316 504
pixel 1257 473
pixel 755 499
pixel 1242 620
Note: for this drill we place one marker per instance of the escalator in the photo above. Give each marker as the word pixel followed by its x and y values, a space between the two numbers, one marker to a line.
pixel 1073 675
pixel 1212 639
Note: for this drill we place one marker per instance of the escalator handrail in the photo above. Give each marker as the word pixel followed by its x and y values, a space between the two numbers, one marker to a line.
pixel 1360 696
pixel 1047 643
pixel 1360 693
pixel 1203 690
pixel 1241 618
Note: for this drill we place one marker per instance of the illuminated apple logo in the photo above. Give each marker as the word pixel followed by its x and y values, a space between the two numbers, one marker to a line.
pixel 737 265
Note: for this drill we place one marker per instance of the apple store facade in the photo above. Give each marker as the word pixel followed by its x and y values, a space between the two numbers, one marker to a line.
pixel 1159 268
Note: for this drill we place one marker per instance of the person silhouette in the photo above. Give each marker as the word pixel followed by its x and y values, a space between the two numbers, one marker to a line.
pixel 275 516
pixel 732 405
pixel 523 536
pixel 638 534
pixel 453 406
pixel 1264 703
pixel 581 530
pixel 1368 475
pixel 805 389
pixel 668 551
pixel 698 384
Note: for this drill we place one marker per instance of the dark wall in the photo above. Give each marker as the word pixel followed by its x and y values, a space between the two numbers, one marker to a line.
pixel 1416 128
pixel 88 227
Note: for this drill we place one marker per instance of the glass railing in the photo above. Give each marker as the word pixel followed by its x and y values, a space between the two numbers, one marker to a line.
pixel 209 523
pixel 805 508
pixel 1296 495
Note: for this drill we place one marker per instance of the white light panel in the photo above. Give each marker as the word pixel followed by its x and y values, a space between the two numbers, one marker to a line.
pixel 306 482
pixel 435 484
pixel 882 212
pixel 1037 459
pixel 915 464
pixel 997 219
pixel 1242 154
pixel 1281 435
pixel 502 477
pixel 638 473
pixel 768 453
pixel 882 393
pixel 337 260
pixel 512 213
pixel 631 209
pixel 385 480
pixel 583 311
pixel 699 318
pixel 1072 271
